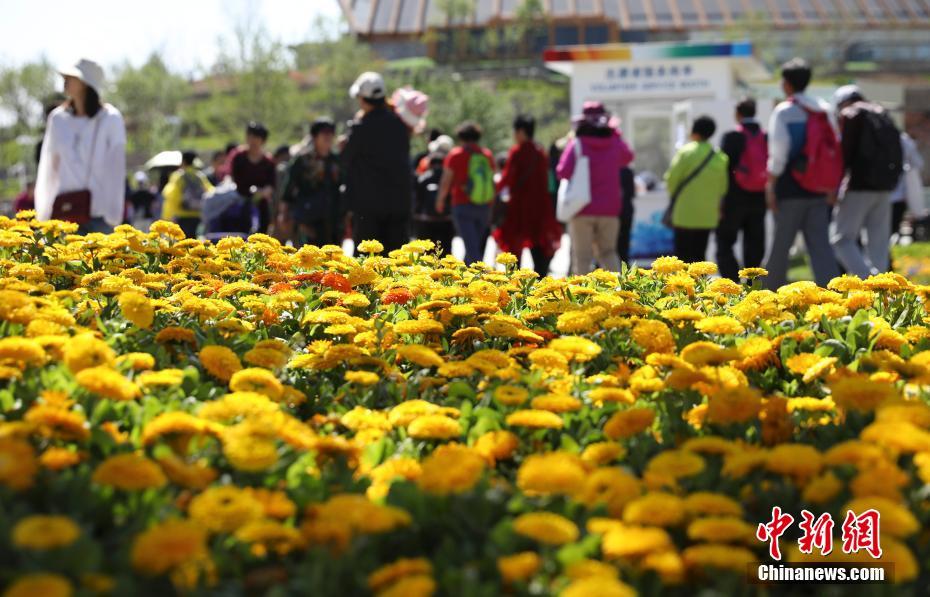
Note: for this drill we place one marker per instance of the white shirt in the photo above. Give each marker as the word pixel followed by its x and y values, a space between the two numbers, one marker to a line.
pixel 66 163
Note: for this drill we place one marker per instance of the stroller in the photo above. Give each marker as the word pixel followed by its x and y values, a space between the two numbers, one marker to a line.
pixel 227 213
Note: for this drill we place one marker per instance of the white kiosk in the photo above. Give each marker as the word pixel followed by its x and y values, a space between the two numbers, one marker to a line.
pixel 657 89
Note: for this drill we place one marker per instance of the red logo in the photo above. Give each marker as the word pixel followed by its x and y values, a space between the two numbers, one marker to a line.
pixel 858 532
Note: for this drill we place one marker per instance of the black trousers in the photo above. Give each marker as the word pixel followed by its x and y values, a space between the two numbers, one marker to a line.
pixel 189 225
pixel 746 215
pixel 626 228
pixel 691 244
pixel 897 215
pixel 440 232
pixel 390 229
pixel 540 261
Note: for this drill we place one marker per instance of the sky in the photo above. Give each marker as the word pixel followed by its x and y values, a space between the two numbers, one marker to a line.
pixel 111 32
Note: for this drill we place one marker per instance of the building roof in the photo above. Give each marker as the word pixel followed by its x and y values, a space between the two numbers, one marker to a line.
pixel 412 17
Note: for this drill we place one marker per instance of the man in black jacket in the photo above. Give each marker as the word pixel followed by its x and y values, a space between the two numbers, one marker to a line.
pixel 376 161
pixel 743 209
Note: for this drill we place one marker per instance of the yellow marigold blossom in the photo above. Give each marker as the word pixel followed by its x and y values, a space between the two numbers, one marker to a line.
pixel 108 383
pixel 861 393
pixel 551 473
pixel 268 358
pixel 715 555
pixel 534 419
pixel 415 585
pixel 257 380
pixel 724 286
pixel 195 475
pixel 668 265
pixel 721 325
pixel 900 436
pixel 419 355
pixel 896 520
pixel 434 427
pixel 619 395
pixel 451 468
pixel 610 486
pixel 42 532
pixel 883 479
pixel 575 348
pixel 519 566
pixel 510 395
pixel 129 472
pixel 56 459
pixel 163 378
pixel 546 527
pixel 26 351
pixel 557 403
pixel 548 359
pixel 362 418
pixel 497 445
pixel 845 283
pixel 51 420
pixel 702 268
pixel 44 584
pixel 175 423
pixel 419 326
pixel 390 573
pixel 679 314
pixel 137 308
pixel 724 529
pixel 587 568
pixel 85 350
pixel 674 464
pixel 626 541
pixel 653 336
pixel 706 503
pixel 733 405
pixel 601 453
pixel 362 378
pixel 265 535
pixel 167 546
pixel 575 322
pixel 18 465
pixel 655 509
pixel 822 489
pixel 799 461
pixel 629 422
pixel 224 509
pixel 137 361
pixel 370 246
pixel 598 586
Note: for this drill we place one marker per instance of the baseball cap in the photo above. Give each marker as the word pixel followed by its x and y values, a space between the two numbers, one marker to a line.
pixel 368 85
pixel 86 70
pixel 847 93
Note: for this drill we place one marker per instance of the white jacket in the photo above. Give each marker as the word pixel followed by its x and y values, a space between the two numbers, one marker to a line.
pixel 66 163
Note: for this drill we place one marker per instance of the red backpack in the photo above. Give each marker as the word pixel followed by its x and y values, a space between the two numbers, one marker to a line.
pixel 819 167
pixel 751 174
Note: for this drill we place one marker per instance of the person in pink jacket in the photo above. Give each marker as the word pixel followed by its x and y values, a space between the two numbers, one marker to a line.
pixel 594 230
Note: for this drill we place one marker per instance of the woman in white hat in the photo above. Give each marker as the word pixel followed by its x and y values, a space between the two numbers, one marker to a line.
pixel 82 167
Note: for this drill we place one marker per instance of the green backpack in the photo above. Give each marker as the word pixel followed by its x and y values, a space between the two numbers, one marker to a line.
pixel 480 185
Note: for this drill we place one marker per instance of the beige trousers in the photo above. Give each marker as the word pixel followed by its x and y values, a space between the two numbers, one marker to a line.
pixel 594 238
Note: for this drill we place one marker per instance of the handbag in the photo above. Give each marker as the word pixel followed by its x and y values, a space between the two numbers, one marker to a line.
pixel 667 216
pixel 575 192
pixel 74 206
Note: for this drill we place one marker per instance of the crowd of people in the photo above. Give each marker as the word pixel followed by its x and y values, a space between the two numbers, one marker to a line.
pixel 815 163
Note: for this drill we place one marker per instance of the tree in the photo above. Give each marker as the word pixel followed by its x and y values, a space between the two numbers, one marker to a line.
pixel 24 90
pixel 149 97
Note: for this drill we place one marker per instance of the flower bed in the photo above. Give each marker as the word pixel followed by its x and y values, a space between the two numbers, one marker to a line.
pixel 235 417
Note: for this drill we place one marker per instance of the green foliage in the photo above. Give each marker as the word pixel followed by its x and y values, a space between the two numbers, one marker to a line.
pixel 24 89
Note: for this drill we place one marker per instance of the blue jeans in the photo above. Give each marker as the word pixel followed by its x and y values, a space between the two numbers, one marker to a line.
pixel 472 223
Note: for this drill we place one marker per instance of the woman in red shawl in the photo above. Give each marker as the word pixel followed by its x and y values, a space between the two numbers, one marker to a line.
pixel 530 221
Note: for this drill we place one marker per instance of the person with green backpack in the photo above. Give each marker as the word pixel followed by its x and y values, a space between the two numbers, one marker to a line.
pixel 468 176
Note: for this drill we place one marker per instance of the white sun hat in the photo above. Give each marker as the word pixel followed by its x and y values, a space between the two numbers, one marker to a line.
pixel 86 70
pixel 368 85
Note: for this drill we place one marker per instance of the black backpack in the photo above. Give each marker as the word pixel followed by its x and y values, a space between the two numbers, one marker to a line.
pixel 880 159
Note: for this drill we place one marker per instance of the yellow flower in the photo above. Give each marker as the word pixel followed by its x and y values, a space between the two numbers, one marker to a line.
pixel 168 545
pixel 268 358
pixel 750 273
pixel 137 308
pixel 370 246
pixel 56 459
pixel 552 473
pixel 390 573
pixel 220 362
pixel 419 326
pixel 619 395
pixel 702 268
pixel 510 395
pixel 257 380
pixel 557 403
pixel 627 423
pixel 706 503
pixel 724 529
pixel 137 361
pixel 18 465
pixel 451 468
pixel 224 509
pixel 546 527
pixel 668 265
pixel 598 586
pixel 534 419
pixel 861 393
pixel 799 461
pixel 419 355
pixel 38 584
pixel 163 378
pixel 733 405
pixel 519 566
pixel 601 453
pixel 674 464
pixel 896 519
pixel 266 535
pixel 720 325
pixel 40 532
pixel 416 585
pixel 575 348
pixel 362 378
pixel 655 509
pixel 653 336
pixel 108 383
pixel 22 350
pixel 52 420
pixel 85 351
pixel 434 427
pixel 497 445
pixel 129 472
